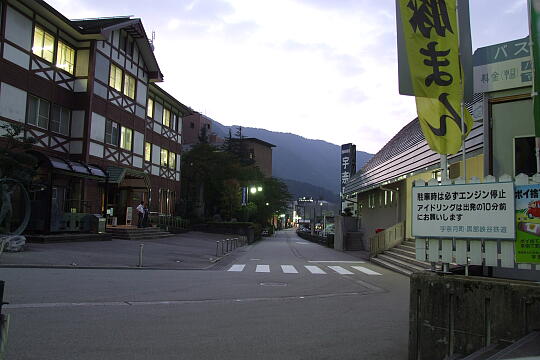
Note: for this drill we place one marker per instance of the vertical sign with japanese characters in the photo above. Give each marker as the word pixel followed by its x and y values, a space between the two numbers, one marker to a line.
pixel 348 164
pixel 430 32
pixel 464 211
pixel 527 248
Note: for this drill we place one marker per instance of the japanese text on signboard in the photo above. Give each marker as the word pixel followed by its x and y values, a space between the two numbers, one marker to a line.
pixel 471 210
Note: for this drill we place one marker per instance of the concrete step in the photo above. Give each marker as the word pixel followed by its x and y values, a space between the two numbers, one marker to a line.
pixel 400 262
pixel 390 266
pixel 406 258
pixel 404 251
pixel 407 247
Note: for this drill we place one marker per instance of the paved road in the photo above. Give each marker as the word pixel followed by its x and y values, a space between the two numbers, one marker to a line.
pixel 282 298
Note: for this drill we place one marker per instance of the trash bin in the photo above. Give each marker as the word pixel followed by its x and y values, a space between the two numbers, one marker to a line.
pixel 93 223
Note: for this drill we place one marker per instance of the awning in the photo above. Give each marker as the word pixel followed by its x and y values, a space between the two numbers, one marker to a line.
pixel 128 177
pixel 70 167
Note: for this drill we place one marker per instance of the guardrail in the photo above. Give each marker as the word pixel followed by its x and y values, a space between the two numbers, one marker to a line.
pixel 168 221
pixel 387 239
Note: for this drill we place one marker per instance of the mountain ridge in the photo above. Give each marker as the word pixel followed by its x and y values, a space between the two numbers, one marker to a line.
pixel 296 158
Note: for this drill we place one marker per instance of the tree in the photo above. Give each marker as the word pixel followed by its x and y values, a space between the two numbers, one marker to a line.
pixel 15 163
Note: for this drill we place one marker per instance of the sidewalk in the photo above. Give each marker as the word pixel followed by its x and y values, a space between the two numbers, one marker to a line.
pixel 192 250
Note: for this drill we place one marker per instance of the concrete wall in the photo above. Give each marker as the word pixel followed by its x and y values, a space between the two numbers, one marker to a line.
pixel 382 215
pixel 454 314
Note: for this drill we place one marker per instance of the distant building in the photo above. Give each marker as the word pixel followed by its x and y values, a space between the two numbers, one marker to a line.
pixel 260 151
pixel 196 125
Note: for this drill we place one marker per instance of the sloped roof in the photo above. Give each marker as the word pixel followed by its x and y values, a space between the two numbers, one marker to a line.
pixel 407 137
pixel 93 26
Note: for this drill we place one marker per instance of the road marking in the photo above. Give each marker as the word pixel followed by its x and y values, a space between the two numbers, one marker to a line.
pixel 341 270
pixel 262 268
pixel 337 261
pixel 237 267
pixel 303 243
pixel 365 270
pixel 314 269
pixel 289 269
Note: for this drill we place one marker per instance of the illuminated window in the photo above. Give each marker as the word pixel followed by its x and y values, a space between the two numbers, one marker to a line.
pixel 129 86
pixel 65 57
pixel 111 132
pixel 60 118
pixel 147 151
pixel 43 44
pixel 164 157
pixel 126 138
pixel 115 78
pixel 172 160
pixel 150 108
pixel 38 112
pixel 166 117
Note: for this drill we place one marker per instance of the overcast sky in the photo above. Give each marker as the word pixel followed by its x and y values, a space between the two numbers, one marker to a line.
pixel 322 69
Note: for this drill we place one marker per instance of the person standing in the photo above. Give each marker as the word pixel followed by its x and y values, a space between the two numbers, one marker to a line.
pixel 140 210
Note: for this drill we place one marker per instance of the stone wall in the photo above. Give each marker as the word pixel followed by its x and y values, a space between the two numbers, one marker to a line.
pixel 452 314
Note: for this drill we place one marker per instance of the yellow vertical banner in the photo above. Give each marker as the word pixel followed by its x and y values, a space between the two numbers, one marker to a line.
pixel 431 34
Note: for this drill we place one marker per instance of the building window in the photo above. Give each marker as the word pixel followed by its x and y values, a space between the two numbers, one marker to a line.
pixel 38 112
pixel 111 132
pixel 115 78
pixel 172 160
pixel 43 44
pixel 371 201
pixel 147 151
pixel 60 119
pixel 126 138
pixel 164 157
pixel 524 156
pixel 192 125
pixel 166 117
pixel 65 57
pixel 129 86
pixel 150 108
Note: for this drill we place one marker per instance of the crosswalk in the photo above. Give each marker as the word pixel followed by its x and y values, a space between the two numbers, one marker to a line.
pixel 312 269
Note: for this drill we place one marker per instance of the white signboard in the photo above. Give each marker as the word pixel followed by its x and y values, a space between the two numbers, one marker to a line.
pixel 464 211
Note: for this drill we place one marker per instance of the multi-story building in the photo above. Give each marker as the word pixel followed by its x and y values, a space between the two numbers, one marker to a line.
pixel 107 135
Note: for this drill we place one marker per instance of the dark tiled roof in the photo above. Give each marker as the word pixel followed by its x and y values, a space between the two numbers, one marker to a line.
pixel 92 26
pixel 410 135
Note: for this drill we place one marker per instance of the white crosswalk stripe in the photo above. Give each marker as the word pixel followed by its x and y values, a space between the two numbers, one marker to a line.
pixel 314 269
pixel 340 270
pixel 238 267
pixel 263 268
pixel 289 269
pixel 366 270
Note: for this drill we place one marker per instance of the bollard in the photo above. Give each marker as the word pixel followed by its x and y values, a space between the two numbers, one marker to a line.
pixel 228 245
pixel 235 242
pixel 141 255
pixel 217 248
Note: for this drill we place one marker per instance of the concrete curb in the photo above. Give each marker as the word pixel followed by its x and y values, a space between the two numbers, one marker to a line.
pixel 38 266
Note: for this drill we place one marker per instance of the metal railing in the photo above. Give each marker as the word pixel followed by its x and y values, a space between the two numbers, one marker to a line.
pixel 387 239
pixel 168 221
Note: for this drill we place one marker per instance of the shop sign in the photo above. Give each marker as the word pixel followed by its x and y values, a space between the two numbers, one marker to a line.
pixel 464 211
pixel 527 248
pixel 503 66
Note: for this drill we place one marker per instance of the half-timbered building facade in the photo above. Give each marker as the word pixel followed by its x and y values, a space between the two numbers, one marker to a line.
pixel 106 135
